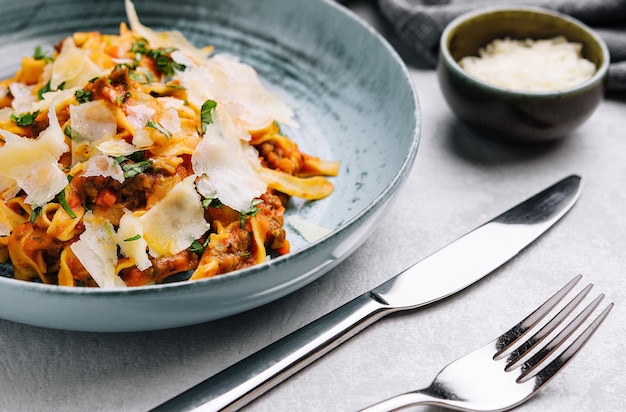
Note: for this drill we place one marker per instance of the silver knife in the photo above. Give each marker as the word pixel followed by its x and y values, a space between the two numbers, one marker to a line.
pixel 441 274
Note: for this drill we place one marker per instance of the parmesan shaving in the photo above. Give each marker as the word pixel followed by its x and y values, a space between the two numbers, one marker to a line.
pixel 92 121
pixel 23 97
pixel 5 114
pixel 236 85
pixel 116 148
pixel 226 169
pixel 8 187
pixel 33 163
pixel 56 99
pixel 96 249
pixel 310 231
pixel 530 65
pixel 102 165
pixel 131 241
pixel 176 221
pixel 73 67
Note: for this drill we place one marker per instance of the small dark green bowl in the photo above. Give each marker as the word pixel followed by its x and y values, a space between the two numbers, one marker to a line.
pixel 516 115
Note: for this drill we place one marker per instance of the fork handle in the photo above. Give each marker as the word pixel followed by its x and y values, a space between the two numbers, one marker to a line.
pixel 419 397
pixel 246 380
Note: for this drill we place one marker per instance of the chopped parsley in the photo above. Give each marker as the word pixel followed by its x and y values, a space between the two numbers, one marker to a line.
pixel 67 130
pixel 157 125
pixel 121 99
pixel 139 47
pixel 206 113
pixel 133 169
pixel 141 77
pixel 123 66
pixel 83 96
pixel 211 202
pixel 36 212
pixel 197 247
pixel 164 62
pixel 63 202
pixel 71 133
pixel 130 239
pixel 40 54
pixel 253 211
pixel 162 57
pixel 25 119
pixel 47 88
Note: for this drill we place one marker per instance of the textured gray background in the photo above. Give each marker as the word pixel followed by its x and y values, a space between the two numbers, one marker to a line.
pixel 459 181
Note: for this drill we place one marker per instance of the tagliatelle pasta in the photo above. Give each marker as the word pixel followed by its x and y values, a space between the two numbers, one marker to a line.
pixel 127 159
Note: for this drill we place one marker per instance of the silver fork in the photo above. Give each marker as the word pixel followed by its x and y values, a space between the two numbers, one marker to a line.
pixel 510 369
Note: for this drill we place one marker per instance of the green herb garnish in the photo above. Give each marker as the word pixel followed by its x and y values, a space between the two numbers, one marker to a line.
pixel 67 130
pixel 40 54
pixel 156 125
pixel 130 239
pixel 206 114
pixel 140 47
pixel 164 62
pixel 44 89
pixel 197 247
pixel 63 202
pixel 141 77
pixel 161 57
pixel 253 211
pixel 121 99
pixel 36 212
pixel 25 119
pixel 211 202
pixel 133 169
pixel 83 96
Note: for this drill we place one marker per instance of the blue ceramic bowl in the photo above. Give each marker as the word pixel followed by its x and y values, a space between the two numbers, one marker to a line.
pixel 516 115
pixel 353 106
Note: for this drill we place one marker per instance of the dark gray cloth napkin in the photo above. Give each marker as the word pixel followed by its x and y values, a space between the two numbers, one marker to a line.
pixel 419 24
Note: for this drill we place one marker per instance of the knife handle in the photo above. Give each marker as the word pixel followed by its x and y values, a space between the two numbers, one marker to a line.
pixel 248 379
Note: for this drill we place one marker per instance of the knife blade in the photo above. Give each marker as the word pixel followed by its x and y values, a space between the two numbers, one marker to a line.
pixel 445 272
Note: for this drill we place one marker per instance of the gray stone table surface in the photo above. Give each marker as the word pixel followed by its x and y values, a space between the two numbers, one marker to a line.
pixel 459 181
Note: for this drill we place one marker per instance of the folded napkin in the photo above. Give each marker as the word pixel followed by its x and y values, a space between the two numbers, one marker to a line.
pixel 419 24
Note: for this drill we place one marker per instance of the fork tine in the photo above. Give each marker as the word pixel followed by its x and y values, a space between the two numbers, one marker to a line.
pixel 533 342
pixel 550 370
pixel 550 348
pixel 517 332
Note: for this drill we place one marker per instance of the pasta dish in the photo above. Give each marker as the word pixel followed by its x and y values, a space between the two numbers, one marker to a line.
pixel 126 159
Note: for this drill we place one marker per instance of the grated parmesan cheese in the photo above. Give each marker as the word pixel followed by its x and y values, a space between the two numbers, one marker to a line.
pixel 530 65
